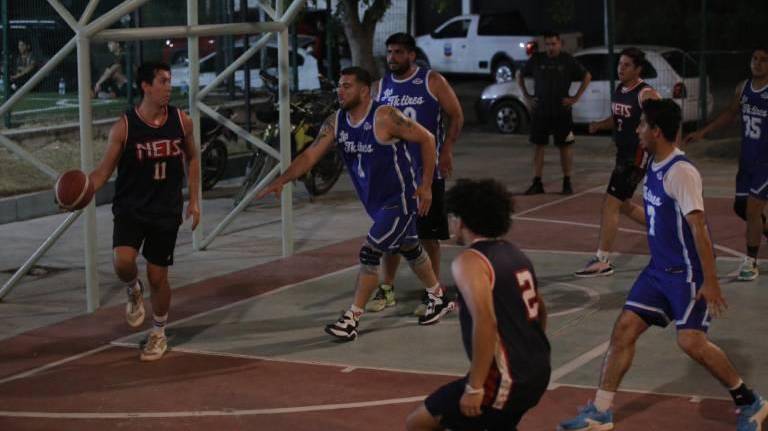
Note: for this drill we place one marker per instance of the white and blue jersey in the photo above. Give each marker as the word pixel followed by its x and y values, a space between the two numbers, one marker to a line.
pixel 669 237
pixel 666 289
pixel 753 164
pixel 412 96
pixel 383 176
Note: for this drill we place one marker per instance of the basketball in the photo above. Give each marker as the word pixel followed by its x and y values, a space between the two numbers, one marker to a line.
pixel 73 190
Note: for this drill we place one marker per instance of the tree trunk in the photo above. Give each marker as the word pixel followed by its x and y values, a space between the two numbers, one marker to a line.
pixel 360 32
pixel 361 47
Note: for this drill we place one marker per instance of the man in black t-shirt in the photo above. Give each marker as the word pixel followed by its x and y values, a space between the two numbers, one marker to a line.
pixel 553 72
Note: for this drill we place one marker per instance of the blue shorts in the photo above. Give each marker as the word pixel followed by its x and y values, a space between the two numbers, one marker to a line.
pixel 752 181
pixel 659 298
pixel 393 228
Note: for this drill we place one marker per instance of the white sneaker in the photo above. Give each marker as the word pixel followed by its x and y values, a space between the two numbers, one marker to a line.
pixel 748 270
pixel 596 267
pixel 155 347
pixel 134 306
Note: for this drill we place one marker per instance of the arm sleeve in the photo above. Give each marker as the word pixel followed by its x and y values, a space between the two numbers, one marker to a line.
pixel 683 184
pixel 578 71
pixel 529 65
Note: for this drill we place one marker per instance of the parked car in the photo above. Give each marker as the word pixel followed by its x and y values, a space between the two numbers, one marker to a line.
pixel 307 68
pixel 672 72
pixel 489 44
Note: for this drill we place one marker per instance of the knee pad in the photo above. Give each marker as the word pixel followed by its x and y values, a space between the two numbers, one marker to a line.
pixel 740 207
pixel 370 259
pixel 415 256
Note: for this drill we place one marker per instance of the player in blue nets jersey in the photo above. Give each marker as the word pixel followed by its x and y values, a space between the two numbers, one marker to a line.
pixel 502 320
pixel 149 146
pixel 425 97
pixel 372 140
pixel 680 283
pixel 750 107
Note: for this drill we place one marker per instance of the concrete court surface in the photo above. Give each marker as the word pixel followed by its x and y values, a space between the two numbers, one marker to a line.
pixel 250 354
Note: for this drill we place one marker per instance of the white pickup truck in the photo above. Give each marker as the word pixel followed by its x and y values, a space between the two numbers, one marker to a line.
pixel 492 44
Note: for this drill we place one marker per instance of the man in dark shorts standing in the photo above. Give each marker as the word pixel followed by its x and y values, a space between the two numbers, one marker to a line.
pixel 149 145
pixel 551 105
pixel 502 320
pixel 631 158
pixel 426 97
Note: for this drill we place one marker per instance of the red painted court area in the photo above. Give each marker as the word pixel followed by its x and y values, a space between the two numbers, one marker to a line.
pixel 68 377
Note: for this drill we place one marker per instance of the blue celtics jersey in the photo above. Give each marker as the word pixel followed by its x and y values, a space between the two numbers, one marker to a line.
pixel 411 95
pixel 669 237
pixel 754 125
pixel 382 172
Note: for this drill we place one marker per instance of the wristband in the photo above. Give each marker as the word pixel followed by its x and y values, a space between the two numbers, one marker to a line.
pixel 469 390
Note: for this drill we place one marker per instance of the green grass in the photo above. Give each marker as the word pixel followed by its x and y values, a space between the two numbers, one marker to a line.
pixel 49 108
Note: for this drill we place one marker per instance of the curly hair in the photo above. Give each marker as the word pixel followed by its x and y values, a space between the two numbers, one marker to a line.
pixel 484 206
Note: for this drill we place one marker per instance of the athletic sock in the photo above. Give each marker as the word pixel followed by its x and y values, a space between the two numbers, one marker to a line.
pixel 435 290
pixel 602 255
pixel 752 251
pixel 386 286
pixel 133 286
pixel 356 311
pixel 566 179
pixel 158 323
pixel 604 400
pixel 537 180
pixel 742 395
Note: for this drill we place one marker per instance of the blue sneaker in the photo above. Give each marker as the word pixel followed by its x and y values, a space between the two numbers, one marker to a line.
pixel 751 417
pixel 589 419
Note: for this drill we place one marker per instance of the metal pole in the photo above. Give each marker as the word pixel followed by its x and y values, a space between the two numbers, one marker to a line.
pixel 703 78
pixel 329 41
pixel 52 238
pixel 243 59
pixel 25 155
pixel 86 164
pixel 286 199
pixel 610 25
pixel 88 13
pixel 240 207
pixel 148 33
pixel 247 69
pixel 6 60
pixel 64 14
pixel 294 58
pixel 113 15
pixel 193 54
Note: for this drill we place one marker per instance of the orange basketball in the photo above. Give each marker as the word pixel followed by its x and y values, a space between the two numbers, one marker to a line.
pixel 73 190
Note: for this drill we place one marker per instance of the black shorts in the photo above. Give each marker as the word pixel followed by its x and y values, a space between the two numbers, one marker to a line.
pixel 434 225
pixel 624 180
pixel 159 241
pixel 560 126
pixel 444 403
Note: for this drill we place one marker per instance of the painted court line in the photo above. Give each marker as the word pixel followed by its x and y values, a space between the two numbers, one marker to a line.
pixel 34 371
pixel 345 368
pixel 692 397
pixel 208 413
pixel 120 340
pixel 579 361
pixel 558 201
pixel 621 229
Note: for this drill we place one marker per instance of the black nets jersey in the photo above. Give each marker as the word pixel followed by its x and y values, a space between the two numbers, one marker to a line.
pixel 522 356
pixel 150 174
pixel 626 111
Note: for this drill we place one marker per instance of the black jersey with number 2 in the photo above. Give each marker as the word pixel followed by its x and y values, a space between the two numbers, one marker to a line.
pixel 522 356
pixel 150 174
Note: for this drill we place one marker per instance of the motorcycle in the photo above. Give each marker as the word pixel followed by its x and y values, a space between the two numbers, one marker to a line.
pixel 213 149
pixel 308 112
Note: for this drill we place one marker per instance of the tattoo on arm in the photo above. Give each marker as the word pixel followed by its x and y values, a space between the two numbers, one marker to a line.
pixel 327 130
pixel 399 118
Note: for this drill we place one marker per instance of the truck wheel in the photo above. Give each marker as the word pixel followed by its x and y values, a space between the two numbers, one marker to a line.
pixel 509 116
pixel 503 71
